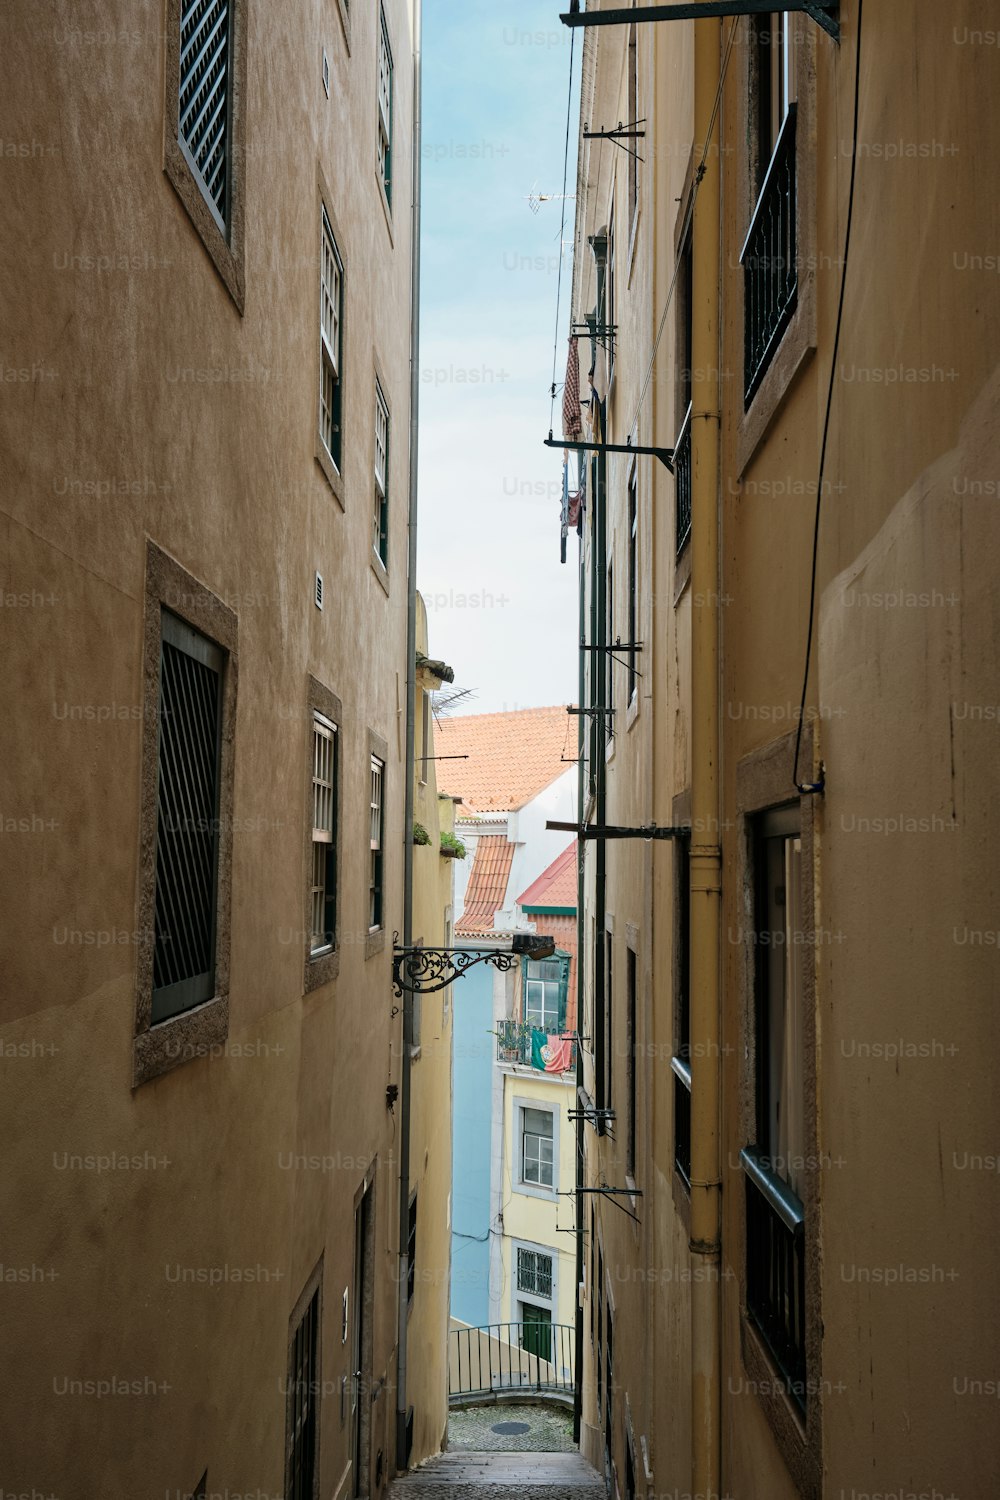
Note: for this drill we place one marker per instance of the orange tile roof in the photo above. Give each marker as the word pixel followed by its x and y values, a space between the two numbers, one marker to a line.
pixel 487 888
pixel 511 757
pixel 555 886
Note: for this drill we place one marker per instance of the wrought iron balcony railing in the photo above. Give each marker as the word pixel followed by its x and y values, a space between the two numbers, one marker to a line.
pixel 776 1281
pixel 536 1357
pixel 514 1043
pixel 768 257
pixel 682 481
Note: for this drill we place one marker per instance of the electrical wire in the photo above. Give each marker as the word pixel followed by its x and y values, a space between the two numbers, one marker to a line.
pixel 562 230
pixel 804 788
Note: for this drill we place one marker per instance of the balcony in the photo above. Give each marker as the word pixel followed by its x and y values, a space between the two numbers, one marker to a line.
pixel 768 257
pixel 514 1043
pixel 682 481
pixel 531 1359
pixel 776 1282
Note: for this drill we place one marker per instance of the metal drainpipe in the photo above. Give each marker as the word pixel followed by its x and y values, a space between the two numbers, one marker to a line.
pixel 411 693
pixel 706 859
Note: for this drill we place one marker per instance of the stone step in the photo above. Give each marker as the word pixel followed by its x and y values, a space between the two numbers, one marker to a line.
pixel 501 1474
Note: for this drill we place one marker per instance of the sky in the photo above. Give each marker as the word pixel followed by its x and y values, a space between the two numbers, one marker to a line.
pixel 501 609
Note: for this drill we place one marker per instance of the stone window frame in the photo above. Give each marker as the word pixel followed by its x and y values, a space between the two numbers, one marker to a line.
pixel 519 1103
pixel 192 1033
pixel 313 1287
pixel 764 779
pixel 228 253
pixel 383 34
pixel 375 936
pixel 334 475
pixel 344 8
pixel 633 1024
pixel 324 967
pixel 681 818
pixel 799 340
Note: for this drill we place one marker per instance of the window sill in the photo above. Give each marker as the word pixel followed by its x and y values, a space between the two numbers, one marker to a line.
pixel 381 572
pixel 375 942
pixel 632 711
pixel 345 21
pixel 331 473
pixel 321 970
pixel 386 206
pixel 529 1190
pixel 632 243
pixel 193 1034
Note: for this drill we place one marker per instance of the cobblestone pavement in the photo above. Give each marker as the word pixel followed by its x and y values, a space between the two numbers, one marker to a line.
pixel 501 1476
pixel 548 1429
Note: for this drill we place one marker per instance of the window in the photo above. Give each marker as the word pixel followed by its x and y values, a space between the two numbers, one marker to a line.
pixel 609 1403
pixel 534 1272
pixel 545 986
pixel 605 1100
pixel 612 338
pixel 537 1147
pixel 609 659
pixel 187 820
pixel 324 835
pixel 411 1250
pixel 599 1363
pixel 385 107
pixel 770 281
pixel 774 1165
pixel 633 585
pixel 425 740
pixel 205 100
pixel 593 1264
pixel 331 340
pixel 633 118
pixel 632 1044
pixel 204 151
pixel 681 1061
pixel 685 359
pixel 302 1405
pixel 376 830
pixel 380 513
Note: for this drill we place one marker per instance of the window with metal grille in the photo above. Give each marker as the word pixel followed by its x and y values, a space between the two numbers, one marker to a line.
pixel 630 1025
pixel 769 254
pixel 331 311
pixel 633 115
pixel 187 818
pixel 534 1272
pixel 204 105
pixel 303 1406
pixel 380 512
pixel 411 1249
pixel 536 1147
pixel 385 107
pixel 324 835
pixel 545 985
pixel 376 827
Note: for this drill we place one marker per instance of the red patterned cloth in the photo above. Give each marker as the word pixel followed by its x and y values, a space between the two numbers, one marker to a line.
pixel 572 424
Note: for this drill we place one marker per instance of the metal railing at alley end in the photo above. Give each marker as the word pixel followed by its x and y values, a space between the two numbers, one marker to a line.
pixel 534 1359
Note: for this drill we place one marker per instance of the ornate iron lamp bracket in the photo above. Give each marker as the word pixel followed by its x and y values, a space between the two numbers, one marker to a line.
pixel 421 971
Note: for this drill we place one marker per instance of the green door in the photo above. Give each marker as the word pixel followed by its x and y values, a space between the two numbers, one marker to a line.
pixel 536 1331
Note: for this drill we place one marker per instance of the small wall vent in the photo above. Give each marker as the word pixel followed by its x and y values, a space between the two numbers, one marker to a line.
pixel 319 591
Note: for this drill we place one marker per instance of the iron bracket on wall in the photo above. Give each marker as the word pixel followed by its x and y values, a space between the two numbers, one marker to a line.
pixel 421 971
pixel 609 1192
pixel 665 455
pixel 609 831
pixel 825 13
pixel 619 135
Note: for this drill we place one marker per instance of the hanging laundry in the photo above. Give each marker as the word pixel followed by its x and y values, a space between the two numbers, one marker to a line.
pixel 572 422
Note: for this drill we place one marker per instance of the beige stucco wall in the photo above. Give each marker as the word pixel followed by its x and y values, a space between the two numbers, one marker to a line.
pixel 905 685
pixel 152 408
